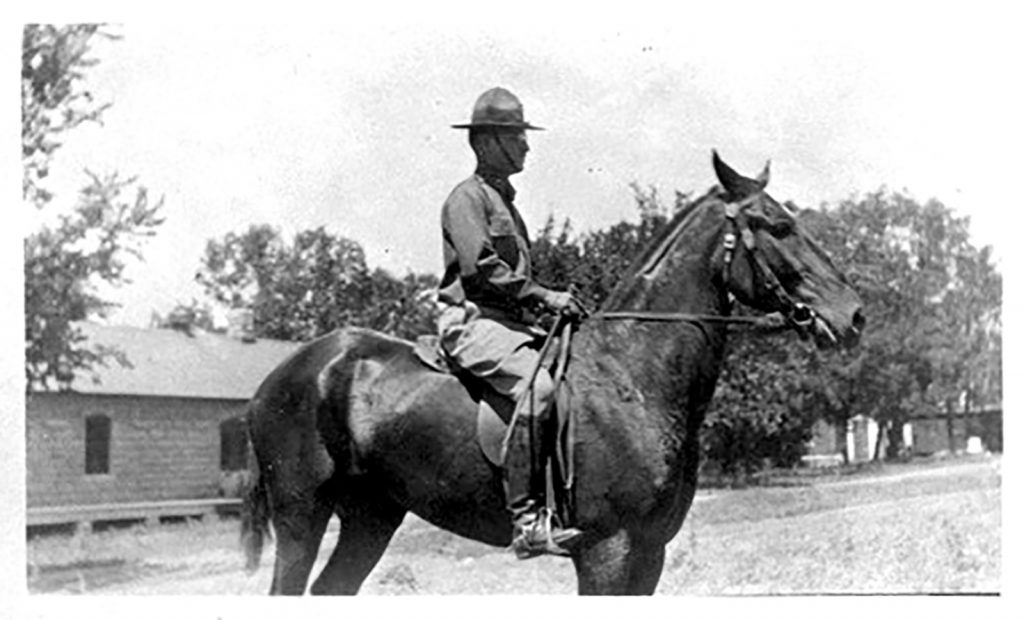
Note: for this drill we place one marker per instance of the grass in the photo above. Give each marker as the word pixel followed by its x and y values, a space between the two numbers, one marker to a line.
pixel 926 527
pixel 884 485
pixel 934 543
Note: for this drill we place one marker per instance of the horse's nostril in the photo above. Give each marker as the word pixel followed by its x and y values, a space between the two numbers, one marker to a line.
pixel 859 321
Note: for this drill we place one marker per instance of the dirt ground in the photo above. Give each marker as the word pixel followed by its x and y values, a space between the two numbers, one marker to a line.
pixel 931 528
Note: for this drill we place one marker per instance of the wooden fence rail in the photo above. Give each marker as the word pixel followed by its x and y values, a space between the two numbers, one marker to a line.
pixel 51 515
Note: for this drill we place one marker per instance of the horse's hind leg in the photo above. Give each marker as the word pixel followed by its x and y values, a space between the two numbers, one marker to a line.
pixel 298 527
pixel 367 524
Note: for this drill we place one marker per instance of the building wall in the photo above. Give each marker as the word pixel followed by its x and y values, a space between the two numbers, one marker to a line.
pixel 160 448
pixel 931 435
pixel 861 437
pixel 922 436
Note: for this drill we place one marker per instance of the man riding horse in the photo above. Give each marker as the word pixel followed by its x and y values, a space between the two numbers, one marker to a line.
pixel 488 294
pixel 355 425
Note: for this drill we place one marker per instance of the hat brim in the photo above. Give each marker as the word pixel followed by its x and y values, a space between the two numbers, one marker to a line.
pixel 497 126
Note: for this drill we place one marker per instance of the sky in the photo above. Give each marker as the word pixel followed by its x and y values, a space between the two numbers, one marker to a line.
pixel 345 122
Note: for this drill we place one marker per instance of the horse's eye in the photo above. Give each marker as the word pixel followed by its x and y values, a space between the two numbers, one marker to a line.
pixel 777 228
pixel 781 228
pixel 777 224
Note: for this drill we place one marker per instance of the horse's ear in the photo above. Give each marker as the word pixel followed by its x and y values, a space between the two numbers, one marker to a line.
pixel 766 175
pixel 736 184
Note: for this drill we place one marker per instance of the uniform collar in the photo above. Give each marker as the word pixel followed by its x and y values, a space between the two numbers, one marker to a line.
pixel 500 183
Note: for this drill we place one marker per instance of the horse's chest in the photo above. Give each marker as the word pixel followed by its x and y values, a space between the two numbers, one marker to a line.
pixel 637 443
pixel 630 461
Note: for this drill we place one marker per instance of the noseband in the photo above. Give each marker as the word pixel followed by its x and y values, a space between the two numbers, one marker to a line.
pixel 794 314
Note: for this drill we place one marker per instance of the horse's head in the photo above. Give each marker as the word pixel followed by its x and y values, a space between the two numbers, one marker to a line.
pixel 774 266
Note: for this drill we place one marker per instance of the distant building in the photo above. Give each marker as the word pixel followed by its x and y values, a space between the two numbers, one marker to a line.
pixel 167 427
pixel 932 434
pixel 922 435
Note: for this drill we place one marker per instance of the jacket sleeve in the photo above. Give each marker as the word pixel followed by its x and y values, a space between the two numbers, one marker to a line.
pixel 482 268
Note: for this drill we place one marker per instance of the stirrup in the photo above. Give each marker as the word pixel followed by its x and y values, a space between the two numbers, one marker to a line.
pixel 544 535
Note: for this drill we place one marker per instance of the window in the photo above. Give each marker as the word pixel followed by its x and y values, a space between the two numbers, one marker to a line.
pixel 233 445
pixel 97 444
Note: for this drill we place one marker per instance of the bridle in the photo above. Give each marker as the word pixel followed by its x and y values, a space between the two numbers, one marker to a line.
pixel 792 314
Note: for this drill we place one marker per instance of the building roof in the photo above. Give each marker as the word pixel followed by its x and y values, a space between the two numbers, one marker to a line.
pixel 170 362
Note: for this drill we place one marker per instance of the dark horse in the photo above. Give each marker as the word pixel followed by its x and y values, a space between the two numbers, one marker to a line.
pixel 353 424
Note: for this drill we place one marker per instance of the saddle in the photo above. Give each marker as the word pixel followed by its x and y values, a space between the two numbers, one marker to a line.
pixel 428 350
pixel 494 412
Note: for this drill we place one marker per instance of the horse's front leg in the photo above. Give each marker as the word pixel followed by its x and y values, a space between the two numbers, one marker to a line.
pixel 645 568
pixel 619 564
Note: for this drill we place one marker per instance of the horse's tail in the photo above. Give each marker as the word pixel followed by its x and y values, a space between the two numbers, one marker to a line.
pixel 255 514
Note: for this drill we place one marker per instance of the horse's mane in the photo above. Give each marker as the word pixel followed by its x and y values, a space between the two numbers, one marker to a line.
pixel 657 247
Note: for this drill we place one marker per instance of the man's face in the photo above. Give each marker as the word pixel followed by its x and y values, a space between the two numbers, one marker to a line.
pixel 514 144
pixel 502 151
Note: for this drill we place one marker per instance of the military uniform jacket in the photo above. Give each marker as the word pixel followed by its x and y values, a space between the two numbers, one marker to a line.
pixel 487 251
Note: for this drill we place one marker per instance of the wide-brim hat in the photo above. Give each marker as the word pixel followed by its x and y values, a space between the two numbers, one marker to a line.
pixel 496 109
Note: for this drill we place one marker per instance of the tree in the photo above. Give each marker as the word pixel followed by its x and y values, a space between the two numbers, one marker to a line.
pixel 52 99
pixel 593 263
pixel 67 261
pixel 933 302
pixel 314 284
pixel 758 417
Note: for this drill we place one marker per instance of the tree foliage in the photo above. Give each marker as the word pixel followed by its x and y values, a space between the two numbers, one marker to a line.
pixel 312 284
pixel 934 305
pixel 53 101
pixel 593 263
pixel 65 262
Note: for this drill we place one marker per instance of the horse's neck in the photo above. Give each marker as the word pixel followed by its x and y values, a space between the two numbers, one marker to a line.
pixel 676 274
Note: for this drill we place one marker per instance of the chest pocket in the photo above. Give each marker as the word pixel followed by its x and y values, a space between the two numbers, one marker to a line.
pixel 505 240
pixel 502 229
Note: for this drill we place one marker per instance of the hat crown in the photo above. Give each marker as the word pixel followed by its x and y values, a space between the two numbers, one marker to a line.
pixel 497 107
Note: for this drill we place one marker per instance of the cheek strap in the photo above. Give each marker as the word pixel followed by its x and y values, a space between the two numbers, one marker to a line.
pixel 797 313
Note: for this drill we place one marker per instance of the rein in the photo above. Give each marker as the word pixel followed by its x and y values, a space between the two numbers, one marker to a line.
pixel 795 315
pixel 771 321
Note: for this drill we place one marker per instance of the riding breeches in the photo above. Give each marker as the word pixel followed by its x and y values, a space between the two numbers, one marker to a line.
pixel 498 352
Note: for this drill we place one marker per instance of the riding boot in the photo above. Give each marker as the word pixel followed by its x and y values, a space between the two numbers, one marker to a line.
pixel 536 529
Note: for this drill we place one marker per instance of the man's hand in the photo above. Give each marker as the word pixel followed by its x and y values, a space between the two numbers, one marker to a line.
pixel 564 303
